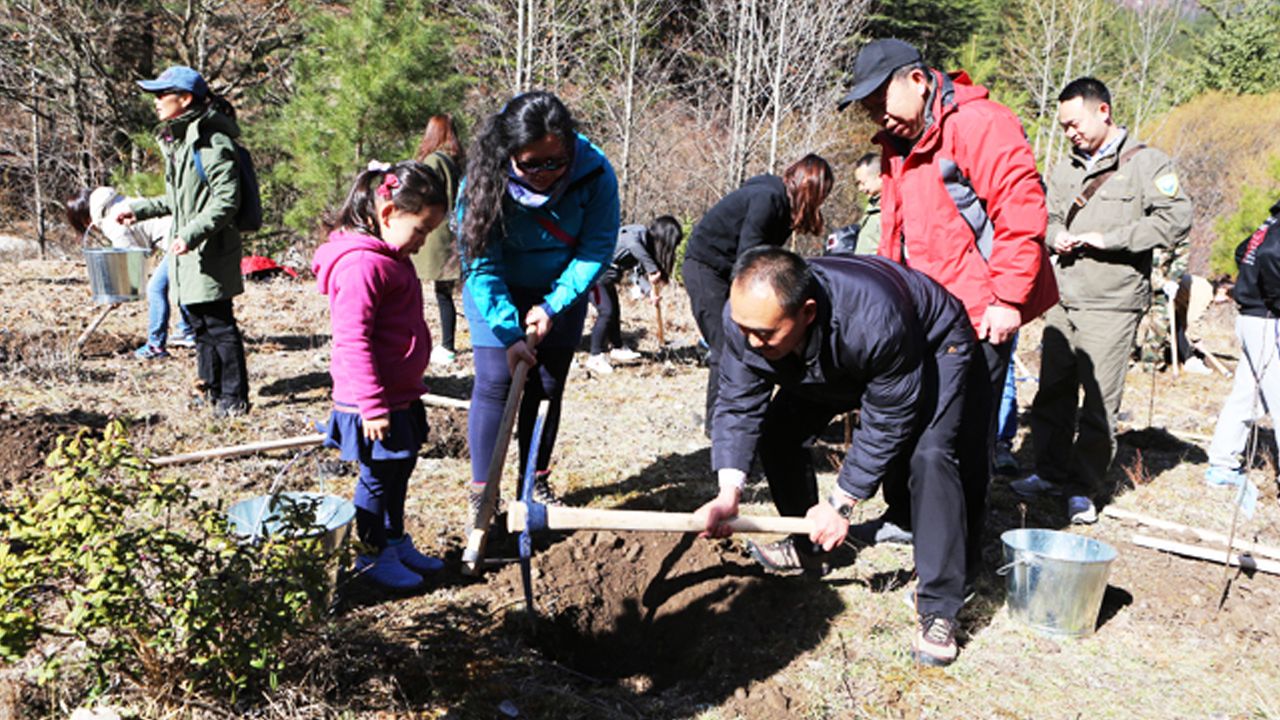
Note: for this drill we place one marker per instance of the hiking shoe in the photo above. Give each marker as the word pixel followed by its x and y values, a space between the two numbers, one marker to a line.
pixel 1033 486
pixel 783 558
pixel 386 571
pixel 442 356
pixel 230 408
pixel 1217 476
pixel 542 492
pixel 186 341
pixel 598 364
pixel 624 355
pixel 1196 366
pixel 412 558
pixel 1081 511
pixel 151 352
pixel 1004 461
pixel 935 641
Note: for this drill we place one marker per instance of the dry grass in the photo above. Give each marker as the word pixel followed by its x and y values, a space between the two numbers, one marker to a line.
pixel 1164 649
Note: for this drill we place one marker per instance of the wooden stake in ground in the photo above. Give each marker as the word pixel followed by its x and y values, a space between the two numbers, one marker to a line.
pixel 657 311
pixel 75 348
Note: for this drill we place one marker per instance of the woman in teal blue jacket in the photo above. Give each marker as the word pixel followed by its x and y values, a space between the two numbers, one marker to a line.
pixel 538 219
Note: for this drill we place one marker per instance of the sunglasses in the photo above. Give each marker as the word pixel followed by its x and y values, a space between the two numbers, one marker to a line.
pixel 536 166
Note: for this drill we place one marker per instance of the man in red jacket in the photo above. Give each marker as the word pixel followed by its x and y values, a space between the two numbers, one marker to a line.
pixel 962 201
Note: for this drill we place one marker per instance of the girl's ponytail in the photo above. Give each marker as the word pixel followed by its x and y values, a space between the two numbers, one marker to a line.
pixel 408 184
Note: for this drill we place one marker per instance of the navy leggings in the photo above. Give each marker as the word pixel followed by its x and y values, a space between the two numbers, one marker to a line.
pixel 489 395
pixel 379 499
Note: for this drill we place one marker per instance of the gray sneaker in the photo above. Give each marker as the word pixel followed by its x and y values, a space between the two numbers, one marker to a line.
pixel 1034 486
pixel 1081 511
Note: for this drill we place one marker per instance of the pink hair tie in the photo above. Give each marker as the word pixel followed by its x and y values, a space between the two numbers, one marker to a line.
pixel 389 183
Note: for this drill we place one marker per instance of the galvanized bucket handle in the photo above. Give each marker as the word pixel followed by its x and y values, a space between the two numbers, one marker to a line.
pixel 1020 559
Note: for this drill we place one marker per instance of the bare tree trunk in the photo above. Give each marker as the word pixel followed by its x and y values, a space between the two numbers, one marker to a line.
pixel 37 179
pixel 779 66
pixel 629 103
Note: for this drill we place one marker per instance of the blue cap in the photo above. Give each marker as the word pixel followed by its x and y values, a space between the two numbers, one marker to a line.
pixel 875 63
pixel 178 77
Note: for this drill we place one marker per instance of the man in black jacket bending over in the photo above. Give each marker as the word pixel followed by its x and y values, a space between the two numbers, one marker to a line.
pixel 834 334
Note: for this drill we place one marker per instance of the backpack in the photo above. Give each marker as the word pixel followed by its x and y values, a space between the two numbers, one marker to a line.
pixel 249 215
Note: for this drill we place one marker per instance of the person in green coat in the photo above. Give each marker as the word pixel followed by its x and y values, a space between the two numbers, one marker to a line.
pixel 205 249
pixel 437 262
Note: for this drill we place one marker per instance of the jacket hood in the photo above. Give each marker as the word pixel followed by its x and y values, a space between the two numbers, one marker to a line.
pixel 342 243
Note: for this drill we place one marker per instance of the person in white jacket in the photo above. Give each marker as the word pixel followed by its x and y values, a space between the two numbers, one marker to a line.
pixel 98 208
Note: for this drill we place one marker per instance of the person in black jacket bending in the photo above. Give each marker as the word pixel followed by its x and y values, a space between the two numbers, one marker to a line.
pixel 833 334
pixel 764 211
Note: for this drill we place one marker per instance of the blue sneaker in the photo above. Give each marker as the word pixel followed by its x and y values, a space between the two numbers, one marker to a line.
pixel 1217 476
pixel 386 570
pixel 186 341
pixel 151 352
pixel 411 558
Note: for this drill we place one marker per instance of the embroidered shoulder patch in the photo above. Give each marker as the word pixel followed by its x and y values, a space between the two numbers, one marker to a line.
pixel 1167 184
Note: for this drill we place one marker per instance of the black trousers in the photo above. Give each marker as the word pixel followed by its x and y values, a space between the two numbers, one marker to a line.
pixel 942 478
pixel 708 292
pixel 607 330
pixel 219 351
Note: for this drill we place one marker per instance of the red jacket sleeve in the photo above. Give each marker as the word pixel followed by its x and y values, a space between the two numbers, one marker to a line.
pixel 993 152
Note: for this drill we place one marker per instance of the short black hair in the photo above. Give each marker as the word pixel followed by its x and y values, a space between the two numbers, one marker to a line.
pixel 1087 88
pixel 905 70
pixel 783 271
pixel 868 160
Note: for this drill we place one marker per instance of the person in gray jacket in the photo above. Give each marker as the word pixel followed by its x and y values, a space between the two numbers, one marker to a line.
pixel 1111 201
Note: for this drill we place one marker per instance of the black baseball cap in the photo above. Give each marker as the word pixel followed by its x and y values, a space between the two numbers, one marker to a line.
pixel 875 63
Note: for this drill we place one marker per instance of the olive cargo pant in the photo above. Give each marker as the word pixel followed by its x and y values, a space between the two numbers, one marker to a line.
pixel 1075 441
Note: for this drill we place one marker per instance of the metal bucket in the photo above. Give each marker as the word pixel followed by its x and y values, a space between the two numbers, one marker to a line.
pixel 1056 580
pixel 116 275
pixel 264 515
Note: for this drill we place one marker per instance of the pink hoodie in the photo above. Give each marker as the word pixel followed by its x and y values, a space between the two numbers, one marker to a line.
pixel 381 344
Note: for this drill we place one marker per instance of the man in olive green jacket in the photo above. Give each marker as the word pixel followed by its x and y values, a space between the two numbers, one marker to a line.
pixel 1111 202
pixel 206 247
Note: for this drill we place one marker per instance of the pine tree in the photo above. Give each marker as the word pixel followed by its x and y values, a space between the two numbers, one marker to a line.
pixel 365 83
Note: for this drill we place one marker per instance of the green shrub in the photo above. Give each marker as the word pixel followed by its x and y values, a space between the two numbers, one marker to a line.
pixel 146 580
pixel 1252 209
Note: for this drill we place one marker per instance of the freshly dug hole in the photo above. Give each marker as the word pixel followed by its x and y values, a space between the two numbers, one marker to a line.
pixel 661 611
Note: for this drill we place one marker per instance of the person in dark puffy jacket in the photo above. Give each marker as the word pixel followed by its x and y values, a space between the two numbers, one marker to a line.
pixel 805 341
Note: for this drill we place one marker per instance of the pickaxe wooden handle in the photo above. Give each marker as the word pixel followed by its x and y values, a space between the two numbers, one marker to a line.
pixel 473 554
pixel 571 518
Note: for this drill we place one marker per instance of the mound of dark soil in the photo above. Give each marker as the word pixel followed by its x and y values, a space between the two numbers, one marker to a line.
pixel 26 441
pixel 670 613
pixel 447 437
